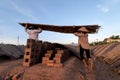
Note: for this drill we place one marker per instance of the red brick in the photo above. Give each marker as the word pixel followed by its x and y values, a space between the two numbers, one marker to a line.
pixel 44 60
pixel 27 51
pixel 58 65
pixel 27 59
pixel 58 60
pixel 58 55
pixel 50 64
pixel 30 41
pixel 47 55
pixel 63 51
pixel 50 61
pixel 26 64
pixel 49 51
pixel 60 51
pixel 27 56
pixel 57 48
pixel 32 49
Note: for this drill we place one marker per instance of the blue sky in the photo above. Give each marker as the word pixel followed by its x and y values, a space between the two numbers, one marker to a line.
pixel 105 13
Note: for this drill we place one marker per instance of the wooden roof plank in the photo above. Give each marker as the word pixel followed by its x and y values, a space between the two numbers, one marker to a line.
pixel 62 29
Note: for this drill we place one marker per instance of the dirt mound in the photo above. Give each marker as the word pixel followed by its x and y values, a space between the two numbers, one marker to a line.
pixel 108 53
pixel 71 71
pixel 73 68
pixel 11 51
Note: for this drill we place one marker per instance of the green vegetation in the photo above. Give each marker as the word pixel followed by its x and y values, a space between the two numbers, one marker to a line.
pixel 102 42
pixel 97 43
pixel 115 37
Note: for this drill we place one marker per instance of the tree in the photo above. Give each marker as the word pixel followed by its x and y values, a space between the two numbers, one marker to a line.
pixel 115 37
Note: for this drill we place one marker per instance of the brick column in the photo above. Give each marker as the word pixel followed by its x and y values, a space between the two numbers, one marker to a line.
pixel 32 52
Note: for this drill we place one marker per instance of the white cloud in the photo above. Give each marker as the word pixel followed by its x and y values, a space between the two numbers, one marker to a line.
pixel 105 7
pixel 24 11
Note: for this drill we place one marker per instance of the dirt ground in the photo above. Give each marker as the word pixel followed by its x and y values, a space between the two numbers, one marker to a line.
pixel 72 70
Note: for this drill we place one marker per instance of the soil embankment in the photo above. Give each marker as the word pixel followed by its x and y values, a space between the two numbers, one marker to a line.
pixel 10 52
pixel 106 67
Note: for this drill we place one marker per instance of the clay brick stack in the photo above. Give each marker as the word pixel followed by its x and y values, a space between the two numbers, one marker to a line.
pixel 55 58
pixel 32 52
pixel 48 56
pixel 60 57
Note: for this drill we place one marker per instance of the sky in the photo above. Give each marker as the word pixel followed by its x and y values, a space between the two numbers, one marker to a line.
pixel 105 13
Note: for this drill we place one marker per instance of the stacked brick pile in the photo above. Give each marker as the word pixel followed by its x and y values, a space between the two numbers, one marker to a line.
pixel 32 52
pixel 50 54
pixel 55 58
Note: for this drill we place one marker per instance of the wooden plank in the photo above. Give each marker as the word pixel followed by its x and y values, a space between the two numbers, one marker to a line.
pixel 62 29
